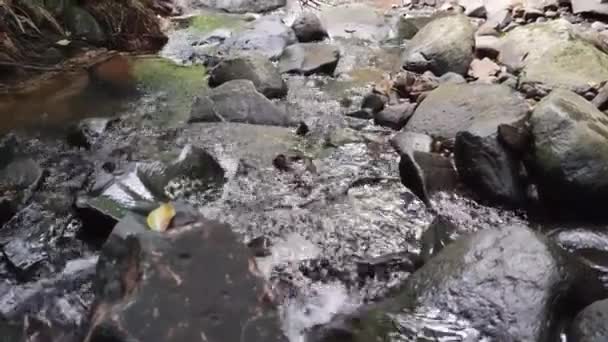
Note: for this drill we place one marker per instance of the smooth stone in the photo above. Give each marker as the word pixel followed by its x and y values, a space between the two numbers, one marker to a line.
pixel 309 58
pixel 309 28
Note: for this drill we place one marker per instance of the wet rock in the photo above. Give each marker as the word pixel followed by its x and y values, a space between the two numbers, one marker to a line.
pixel 408 142
pixel 267 36
pixel 601 99
pixel 441 232
pixel 425 173
pixel 554 54
pixel 503 284
pixel 590 324
pixel 590 7
pixel 237 101
pixel 570 144
pixel 477 108
pixel 241 6
pixel 255 68
pixel 195 280
pixel 516 138
pixel 309 58
pixel 309 28
pixel 581 239
pixel 396 116
pixel 86 132
pixel 193 163
pixel 444 45
pixel 489 169
pixel 82 24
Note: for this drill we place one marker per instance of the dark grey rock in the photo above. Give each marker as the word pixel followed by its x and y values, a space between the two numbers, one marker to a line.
pixel 443 45
pixel 425 173
pixel 309 58
pixel 517 139
pixel 489 169
pixel 570 148
pixel 590 324
pixel 309 28
pixel 601 99
pixel 267 36
pixel 143 276
pixel 504 284
pixel 256 68
pixel 396 116
pixel 477 108
pixel 373 103
pixel 23 256
pixel 82 24
pixel 237 101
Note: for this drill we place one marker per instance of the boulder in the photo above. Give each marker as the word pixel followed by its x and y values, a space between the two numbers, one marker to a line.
pixel 489 169
pixel 501 284
pixel 82 24
pixel 309 28
pixel 594 7
pixel 256 68
pixel 195 281
pixel 237 101
pixel 240 6
pixel 396 116
pixel 590 324
pixel 570 162
pixel 477 108
pixel 267 36
pixel 554 54
pixel 309 58
pixel 443 45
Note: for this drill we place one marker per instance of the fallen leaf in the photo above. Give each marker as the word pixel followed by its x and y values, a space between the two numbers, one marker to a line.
pixel 160 218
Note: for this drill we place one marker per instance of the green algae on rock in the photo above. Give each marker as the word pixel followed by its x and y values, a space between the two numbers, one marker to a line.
pixel 208 22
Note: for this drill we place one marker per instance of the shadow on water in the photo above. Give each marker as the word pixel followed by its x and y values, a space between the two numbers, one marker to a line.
pixel 107 89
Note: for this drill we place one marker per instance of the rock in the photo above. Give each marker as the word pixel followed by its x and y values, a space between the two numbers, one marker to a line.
pixel 515 138
pixel 487 46
pixel 193 163
pixel 601 99
pixel 503 284
pixel 267 36
pixel 445 44
pixel 590 324
pixel 554 54
pixel 474 8
pixel 408 142
pixel 484 70
pixel 374 103
pixel 396 116
pixel 426 173
pixel 82 24
pixel 570 152
pixel 195 280
pixel 411 85
pixel 255 68
pixel 86 132
pixel 237 101
pixel 309 58
pixel 309 28
pixel 477 108
pixel 497 20
pixel 22 256
pixel 355 21
pixel 241 6
pixel 18 179
pixel 589 6
pixel 451 78
pixel 489 169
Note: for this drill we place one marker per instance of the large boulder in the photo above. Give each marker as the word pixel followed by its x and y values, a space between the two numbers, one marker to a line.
pixel 570 160
pixel 596 7
pixel 504 284
pixel 237 101
pixel 478 108
pixel 240 6
pixel 590 324
pixel 267 36
pixel 443 45
pixel 489 169
pixel 309 58
pixel 256 68
pixel 554 54
pixel 193 282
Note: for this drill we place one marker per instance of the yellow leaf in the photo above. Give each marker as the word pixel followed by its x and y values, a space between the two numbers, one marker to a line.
pixel 160 218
